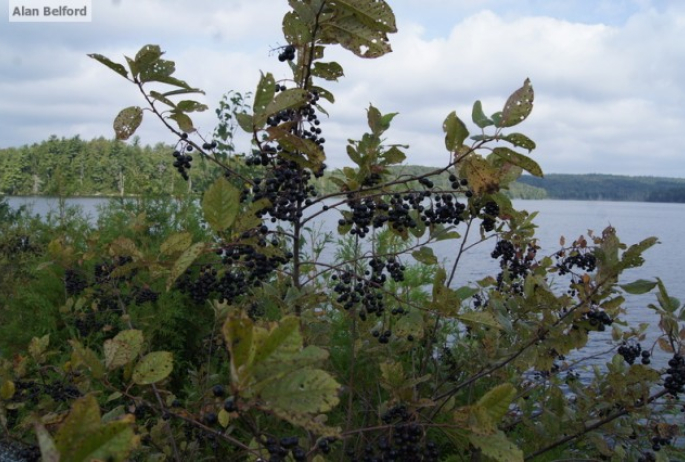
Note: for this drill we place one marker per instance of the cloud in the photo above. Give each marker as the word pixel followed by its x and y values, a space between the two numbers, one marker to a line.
pixel 609 82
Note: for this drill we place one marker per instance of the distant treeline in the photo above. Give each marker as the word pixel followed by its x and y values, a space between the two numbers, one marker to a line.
pixel 609 187
pixel 75 167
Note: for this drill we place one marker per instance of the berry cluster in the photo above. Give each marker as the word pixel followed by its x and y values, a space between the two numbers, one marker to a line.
pixel 600 319
pixel 403 443
pixel 288 53
pixel 516 262
pixel 582 260
pixel 280 449
pixel 490 211
pixel 74 282
pixel 183 161
pixel 146 294
pixel 675 378
pixel 631 352
pixel 658 442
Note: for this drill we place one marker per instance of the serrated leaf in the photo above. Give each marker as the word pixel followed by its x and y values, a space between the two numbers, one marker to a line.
pixel 175 243
pixel 328 71
pixel 127 122
pixel 496 401
pixel 184 122
pixel 519 160
pixel 520 140
pixel 153 367
pixel 116 67
pixel 497 447
pixel 641 286
pixel 425 255
pixel 478 116
pixel 482 318
pixel 455 132
pixel 518 106
pixel 303 391
pixel 123 348
pixel 183 262
pixel 221 204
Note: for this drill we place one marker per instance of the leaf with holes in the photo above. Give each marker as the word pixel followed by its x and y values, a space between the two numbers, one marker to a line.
pixel 123 348
pixel 185 123
pixel 191 106
pixel 264 94
pixel 520 160
pixel 455 132
pixel 327 71
pixel 127 122
pixel 153 367
pixel 520 140
pixel 158 71
pixel 518 106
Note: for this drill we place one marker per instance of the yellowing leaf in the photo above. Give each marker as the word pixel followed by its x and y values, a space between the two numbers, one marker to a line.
pixel 518 106
pixel 38 346
pixel 303 391
pixel 497 447
pixel 176 243
pixel 220 204
pixel 7 390
pixel 496 401
pixel 183 262
pixel 153 367
pixel 127 122
pixel 239 335
pixel 123 348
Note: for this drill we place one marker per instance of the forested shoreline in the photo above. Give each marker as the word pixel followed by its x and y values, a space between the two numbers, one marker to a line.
pixel 107 167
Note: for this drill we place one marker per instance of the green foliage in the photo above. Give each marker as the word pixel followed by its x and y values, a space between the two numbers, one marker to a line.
pixel 174 330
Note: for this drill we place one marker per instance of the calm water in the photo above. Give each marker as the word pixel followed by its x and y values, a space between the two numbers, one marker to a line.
pixel 633 222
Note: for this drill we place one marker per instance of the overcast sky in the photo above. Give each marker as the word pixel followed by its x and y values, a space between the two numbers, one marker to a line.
pixel 609 75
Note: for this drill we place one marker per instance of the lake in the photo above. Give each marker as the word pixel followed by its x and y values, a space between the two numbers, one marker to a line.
pixel 633 221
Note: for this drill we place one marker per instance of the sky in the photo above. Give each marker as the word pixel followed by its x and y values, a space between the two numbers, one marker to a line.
pixel 608 75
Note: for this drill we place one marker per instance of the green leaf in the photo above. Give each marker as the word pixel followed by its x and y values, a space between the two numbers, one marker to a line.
pixel 220 204
pixel 147 55
pixel 183 262
pixel 239 335
pixel 116 67
pixel 520 140
pixel 83 437
pixel 162 98
pixel 478 116
pixel 127 122
pixel 302 391
pixel 668 303
pixel 123 348
pixel 393 156
pixel 159 71
pixel 153 367
pixel 518 106
pixel 518 160
pixel 425 255
pixel 377 15
pixel 191 106
pixel 266 89
pixel 455 132
pixel 327 71
pixel 641 286
pixel 482 318
pixel 354 35
pixel 175 243
pixel 496 401
pixel 497 447
pixel 185 123
pixel 246 121
pixel 291 98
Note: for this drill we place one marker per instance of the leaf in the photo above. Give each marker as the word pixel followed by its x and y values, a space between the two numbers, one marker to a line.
pixel 224 418
pixel 116 67
pixel 519 160
pixel 327 71
pixel 153 367
pixel 483 318
pixel 185 123
pixel 518 106
pixel 38 347
pixel 353 35
pixel 246 121
pixel 183 262
pixel 147 55
pixel 496 401
pixel 497 447
pixel 455 132
pixel 239 336
pixel 425 255
pixel 83 438
pixel 160 71
pixel 520 140
pixel 221 204
pixel 7 390
pixel 177 242
pixel 310 423
pixel 88 358
pixel 48 449
pixel 127 122
pixel 289 99
pixel 187 105
pixel 481 175
pixel 303 391
pixel 123 348
pixel 162 98
pixel 264 94
pixel 641 286
pixel 478 116
pixel 394 156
